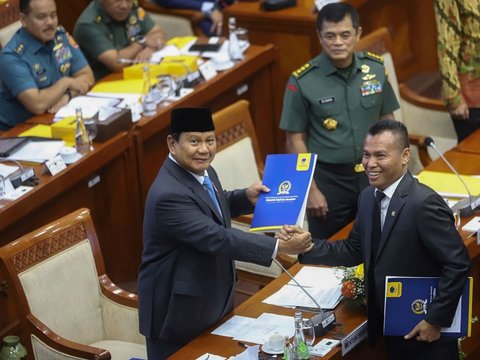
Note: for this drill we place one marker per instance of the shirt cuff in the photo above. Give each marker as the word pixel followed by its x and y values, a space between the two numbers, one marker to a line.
pixel 207 7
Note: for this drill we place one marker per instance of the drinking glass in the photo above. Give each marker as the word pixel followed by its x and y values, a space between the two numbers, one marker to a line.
pixel 308 330
pixel 91 127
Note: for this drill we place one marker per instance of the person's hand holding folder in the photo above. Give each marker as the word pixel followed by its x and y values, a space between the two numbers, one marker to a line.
pixel 424 332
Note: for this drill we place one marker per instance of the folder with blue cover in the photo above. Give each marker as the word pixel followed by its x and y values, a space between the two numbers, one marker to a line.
pixel 288 176
pixel 407 300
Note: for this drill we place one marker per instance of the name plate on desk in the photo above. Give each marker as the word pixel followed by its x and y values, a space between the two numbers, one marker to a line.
pixel 354 338
pixel 55 165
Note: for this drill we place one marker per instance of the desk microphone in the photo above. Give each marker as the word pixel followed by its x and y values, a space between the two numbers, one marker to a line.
pixel 465 206
pixel 324 321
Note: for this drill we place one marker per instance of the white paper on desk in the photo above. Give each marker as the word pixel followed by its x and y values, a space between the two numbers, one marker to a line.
pixel 292 295
pixel 125 99
pixel 251 353
pixel 210 357
pixel 90 105
pixel 314 276
pixel 38 151
pixel 233 325
pixel 6 170
pixel 266 324
pixel 169 50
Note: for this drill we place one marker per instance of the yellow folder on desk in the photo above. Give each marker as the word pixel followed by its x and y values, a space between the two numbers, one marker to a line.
pixel 448 184
pixel 40 130
pixel 132 86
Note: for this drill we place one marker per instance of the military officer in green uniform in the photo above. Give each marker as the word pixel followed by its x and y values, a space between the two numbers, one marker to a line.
pixel 41 67
pixel 329 105
pixel 110 31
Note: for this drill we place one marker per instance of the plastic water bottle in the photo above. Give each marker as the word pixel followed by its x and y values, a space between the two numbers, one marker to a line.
pixel 149 105
pixel 82 144
pixel 234 49
pixel 299 344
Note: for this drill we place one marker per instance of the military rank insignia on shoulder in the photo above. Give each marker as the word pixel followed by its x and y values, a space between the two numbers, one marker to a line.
pixel 61 29
pixel 372 56
pixel 20 49
pixel 302 70
pixel 98 19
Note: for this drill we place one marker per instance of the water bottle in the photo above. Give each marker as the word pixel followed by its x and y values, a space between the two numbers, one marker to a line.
pixel 12 349
pixel 82 144
pixel 234 49
pixel 299 344
pixel 149 105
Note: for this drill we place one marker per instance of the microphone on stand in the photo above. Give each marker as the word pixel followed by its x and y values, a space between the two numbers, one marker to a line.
pixel 324 321
pixel 465 206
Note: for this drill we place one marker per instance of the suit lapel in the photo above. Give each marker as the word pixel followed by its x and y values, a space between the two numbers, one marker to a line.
pixel 190 182
pixel 394 209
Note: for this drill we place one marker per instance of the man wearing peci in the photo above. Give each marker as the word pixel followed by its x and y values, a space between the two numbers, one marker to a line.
pixel 402 228
pixel 329 104
pixel 41 67
pixel 109 31
pixel 187 276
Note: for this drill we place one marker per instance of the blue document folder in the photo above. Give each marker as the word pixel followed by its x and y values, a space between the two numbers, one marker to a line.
pixel 288 176
pixel 407 300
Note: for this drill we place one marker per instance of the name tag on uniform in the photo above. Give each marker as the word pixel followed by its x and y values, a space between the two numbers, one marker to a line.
pixel 371 87
pixel 326 100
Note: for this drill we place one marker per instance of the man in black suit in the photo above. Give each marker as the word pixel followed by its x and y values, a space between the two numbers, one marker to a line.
pixel 402 228
pixel 187 277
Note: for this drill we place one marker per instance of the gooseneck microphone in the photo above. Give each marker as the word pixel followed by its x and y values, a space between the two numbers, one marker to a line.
pixel 465 206
pixel 324 321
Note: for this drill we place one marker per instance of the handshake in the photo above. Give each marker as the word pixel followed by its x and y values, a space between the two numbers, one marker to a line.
pixel 293 240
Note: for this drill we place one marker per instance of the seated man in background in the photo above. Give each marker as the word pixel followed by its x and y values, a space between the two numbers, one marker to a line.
pixel 212 24
pixel 109 31
pixel 41 67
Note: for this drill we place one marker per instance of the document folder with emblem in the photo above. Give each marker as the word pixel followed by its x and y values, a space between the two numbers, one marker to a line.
pixel 408 301
pixel 9 145
pixel 288 176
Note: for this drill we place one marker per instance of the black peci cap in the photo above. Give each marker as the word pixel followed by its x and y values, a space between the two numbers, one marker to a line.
pixel 197 119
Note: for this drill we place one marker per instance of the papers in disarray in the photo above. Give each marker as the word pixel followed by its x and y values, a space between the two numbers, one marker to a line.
pixel 38 151
pixel 257 330
pixel 321 283
pixel 90 106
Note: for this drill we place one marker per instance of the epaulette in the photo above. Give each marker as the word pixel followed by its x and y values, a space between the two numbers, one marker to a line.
pixel 372 56
pixel 302 70
pixel 20 49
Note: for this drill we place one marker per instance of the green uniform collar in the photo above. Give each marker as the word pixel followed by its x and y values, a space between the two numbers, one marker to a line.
pixel 101 12
pixel 325 65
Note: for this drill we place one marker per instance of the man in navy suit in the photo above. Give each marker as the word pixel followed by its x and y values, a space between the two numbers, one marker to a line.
pixel 410 232
pixel 187 276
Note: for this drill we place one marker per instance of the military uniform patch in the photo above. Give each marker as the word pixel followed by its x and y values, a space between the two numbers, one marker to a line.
pixel 141 14
pixel 302 70
pixel 378 58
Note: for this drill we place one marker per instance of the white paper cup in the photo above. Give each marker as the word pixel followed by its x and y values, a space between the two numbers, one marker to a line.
pixel 68 154
pixel 275 342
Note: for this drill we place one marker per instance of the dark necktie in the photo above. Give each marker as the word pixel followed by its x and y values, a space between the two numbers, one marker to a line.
pixel 211 191
pixel 375 317
pixel 376 223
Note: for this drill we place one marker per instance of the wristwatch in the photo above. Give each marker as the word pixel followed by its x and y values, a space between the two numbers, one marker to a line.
pixel 142 40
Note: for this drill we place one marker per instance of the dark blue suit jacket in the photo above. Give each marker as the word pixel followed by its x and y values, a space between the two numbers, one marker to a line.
pixel 418 239
pixel 187 276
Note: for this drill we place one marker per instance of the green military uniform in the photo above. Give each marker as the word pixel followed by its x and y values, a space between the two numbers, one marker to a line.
pixel 97 32
pixel 335 108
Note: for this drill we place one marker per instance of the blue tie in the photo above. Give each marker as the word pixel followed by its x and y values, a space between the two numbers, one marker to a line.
pixel 211 191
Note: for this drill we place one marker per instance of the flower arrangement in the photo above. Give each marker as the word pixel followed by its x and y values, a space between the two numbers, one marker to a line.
pixel 353 287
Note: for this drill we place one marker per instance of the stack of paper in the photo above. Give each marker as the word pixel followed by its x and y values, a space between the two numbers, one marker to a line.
pixel 321 283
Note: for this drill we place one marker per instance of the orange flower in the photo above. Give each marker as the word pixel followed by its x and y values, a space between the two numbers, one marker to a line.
pixel 348 289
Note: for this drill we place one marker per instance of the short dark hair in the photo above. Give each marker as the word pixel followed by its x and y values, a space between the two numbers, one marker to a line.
pixel 25 6
pixel 398 129
pixel 176 136
pixel 335 13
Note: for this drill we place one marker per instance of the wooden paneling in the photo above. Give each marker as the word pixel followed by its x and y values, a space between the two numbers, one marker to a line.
pixel 69 11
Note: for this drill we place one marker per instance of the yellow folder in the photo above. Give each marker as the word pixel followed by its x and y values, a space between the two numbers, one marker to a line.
pixel 449 184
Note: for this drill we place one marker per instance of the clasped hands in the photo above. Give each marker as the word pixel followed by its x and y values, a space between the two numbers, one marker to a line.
pixel 293 240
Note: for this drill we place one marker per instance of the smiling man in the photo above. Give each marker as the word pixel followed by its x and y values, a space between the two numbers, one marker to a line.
pixel 329 104
pixel 402 228
pixel 187 277
pixel 112 30
pixel 41 67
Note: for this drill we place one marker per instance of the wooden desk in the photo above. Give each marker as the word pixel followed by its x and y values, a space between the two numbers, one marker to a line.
pixel 470 145
pixel 253 79
pixel 103 181
pixel 349 316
